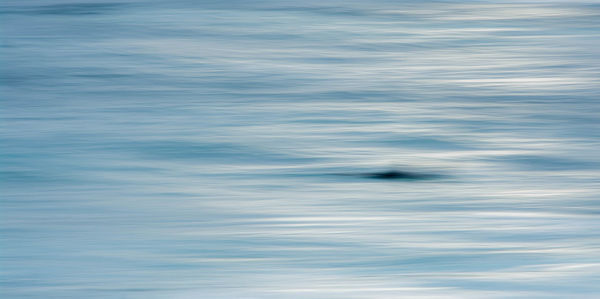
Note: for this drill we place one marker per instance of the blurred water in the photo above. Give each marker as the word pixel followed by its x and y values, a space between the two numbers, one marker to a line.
pixel 190 149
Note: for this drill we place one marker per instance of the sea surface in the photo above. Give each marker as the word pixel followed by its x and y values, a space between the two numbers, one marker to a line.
pixel 231 149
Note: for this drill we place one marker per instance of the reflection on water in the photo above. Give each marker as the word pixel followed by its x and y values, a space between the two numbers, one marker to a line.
pixel 186 149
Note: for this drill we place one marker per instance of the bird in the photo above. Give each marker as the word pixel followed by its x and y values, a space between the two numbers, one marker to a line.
pixel 396 175
pixel 391 175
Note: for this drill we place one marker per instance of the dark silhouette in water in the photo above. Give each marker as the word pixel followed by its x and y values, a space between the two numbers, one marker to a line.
pixel 393 175
pixel 396 175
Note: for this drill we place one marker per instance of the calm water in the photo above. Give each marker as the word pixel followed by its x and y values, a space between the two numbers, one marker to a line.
pixel 213 149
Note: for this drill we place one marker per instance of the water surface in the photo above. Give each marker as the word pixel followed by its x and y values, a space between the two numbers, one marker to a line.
pixel 189 149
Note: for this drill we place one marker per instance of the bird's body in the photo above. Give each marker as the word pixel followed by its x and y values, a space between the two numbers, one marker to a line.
pixel 396 175
pixel 392 175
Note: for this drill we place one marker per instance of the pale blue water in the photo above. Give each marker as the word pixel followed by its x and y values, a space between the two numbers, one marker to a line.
pixel 193 149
